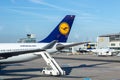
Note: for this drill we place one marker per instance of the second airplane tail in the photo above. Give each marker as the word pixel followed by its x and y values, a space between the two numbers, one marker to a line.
pixel 62 30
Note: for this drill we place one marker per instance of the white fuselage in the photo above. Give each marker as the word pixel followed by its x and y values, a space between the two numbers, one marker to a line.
pixel 13 47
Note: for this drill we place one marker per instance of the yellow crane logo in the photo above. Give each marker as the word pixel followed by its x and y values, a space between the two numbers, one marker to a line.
pixel 64 28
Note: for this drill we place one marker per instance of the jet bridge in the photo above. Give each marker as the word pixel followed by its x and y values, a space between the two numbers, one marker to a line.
pixel 53 67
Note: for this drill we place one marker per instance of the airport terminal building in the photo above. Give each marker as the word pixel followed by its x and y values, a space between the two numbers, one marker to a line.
pixel 30 38
pixel 111 41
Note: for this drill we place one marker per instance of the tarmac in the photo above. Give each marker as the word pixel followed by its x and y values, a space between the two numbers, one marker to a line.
pixel 77 67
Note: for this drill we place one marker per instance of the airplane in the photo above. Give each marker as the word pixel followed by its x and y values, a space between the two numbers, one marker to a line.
pixel 104 52
pixel 23 52
pixel 100 52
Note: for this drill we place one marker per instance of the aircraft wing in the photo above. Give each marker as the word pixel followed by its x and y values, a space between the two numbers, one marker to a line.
pixel 14 53
pixel 61 46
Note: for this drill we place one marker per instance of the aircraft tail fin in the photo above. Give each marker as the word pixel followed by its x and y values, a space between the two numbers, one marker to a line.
pixel 62 30
pixel 89 46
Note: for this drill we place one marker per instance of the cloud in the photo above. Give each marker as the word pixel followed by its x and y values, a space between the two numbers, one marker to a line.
pixel 36 1
pixel 13 1
pixel 53 6
pixel 83 15
pixel 23 12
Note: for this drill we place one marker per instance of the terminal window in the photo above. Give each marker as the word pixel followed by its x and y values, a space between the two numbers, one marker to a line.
pixel 113 44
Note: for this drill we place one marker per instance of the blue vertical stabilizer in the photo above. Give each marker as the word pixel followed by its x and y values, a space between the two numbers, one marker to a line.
pixel 62 30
